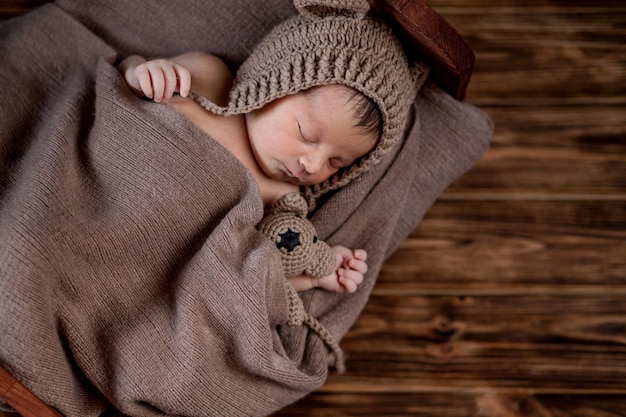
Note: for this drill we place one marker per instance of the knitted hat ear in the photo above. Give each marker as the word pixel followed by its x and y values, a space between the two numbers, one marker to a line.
pixel 315 9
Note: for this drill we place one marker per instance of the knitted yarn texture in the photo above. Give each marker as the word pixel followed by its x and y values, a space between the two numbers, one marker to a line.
pixel 301 252
pixel 330 42
pixel 295 237
pixel 299 316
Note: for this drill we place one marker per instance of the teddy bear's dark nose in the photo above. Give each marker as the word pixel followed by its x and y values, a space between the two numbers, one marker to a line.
pixel 288 240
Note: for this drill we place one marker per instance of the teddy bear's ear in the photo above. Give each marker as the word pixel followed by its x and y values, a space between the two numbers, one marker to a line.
pixel 291 203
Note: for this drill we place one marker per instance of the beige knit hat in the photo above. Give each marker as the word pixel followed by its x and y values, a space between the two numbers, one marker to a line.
pixel 330 42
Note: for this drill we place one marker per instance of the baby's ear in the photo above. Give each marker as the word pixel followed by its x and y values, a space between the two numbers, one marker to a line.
pixel 315 9
pixel 291 203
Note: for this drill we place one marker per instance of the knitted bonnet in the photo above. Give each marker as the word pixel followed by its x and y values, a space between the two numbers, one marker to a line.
pixel 330 42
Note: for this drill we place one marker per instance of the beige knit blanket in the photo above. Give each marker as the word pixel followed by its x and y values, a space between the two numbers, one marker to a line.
pixel 132 278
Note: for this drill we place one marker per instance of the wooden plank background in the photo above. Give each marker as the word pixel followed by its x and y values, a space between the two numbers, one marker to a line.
pixel 509 299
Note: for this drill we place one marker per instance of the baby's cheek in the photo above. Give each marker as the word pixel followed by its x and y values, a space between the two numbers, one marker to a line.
pixel 325 174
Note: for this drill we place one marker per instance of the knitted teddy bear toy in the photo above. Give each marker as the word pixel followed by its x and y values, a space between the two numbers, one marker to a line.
pixel 301 252
pixel 295 237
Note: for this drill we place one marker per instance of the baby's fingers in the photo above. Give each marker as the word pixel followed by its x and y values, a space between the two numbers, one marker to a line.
pixel 163 79
pixel 176 78
pixel 184 80
pixel 159 79
pixel 350 280
pixel 145 80
pixel 348 286
pixel 357 265
pixel 360 254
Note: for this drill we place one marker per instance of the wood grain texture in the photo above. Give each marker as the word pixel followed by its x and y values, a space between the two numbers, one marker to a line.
pixel 21 399
pixel 513 244
pixel 455 404
pixel 552 151
pixel 10 8
pixel 428 37
pixel 497 341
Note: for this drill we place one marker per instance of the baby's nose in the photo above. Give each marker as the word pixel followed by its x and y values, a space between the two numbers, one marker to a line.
pixel 312 163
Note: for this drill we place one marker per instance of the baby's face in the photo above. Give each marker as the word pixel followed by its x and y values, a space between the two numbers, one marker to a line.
pixel 305 138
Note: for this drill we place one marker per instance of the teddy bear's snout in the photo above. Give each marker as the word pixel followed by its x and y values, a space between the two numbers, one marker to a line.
pixel 289 240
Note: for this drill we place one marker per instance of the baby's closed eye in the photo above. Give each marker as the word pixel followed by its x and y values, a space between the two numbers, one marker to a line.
pixel 339 163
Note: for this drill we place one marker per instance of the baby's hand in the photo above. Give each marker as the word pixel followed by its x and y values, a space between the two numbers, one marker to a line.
pixel 349 270
pixel 157 79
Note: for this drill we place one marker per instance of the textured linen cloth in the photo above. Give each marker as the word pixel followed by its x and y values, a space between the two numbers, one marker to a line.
pixel 132 278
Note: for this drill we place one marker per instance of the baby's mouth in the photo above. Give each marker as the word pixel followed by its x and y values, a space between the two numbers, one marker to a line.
pixel 290 172
pixel 299 178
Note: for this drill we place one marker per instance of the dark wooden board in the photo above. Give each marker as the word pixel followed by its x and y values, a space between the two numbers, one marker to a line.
pixel 10 8
pixel 499 341
pixel 455 404
pixel 427 37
